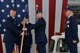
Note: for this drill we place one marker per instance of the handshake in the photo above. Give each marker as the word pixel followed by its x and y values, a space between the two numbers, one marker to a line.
pixel 24 23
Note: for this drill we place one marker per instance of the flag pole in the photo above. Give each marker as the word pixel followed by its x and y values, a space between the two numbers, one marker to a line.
pixel 21 43
pixel 22 40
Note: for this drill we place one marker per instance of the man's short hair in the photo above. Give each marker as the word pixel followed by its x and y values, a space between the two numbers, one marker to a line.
pixel 13 9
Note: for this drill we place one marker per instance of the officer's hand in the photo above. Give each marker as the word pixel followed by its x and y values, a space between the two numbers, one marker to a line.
pixel 74 41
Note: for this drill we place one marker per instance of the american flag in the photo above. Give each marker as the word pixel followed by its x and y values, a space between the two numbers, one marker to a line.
pixel 53 9
pixel 21 7
pixel 53 12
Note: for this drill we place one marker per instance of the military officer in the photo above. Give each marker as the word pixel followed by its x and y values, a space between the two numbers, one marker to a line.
pixel 71 30
pixel 40 36
pixel 12 34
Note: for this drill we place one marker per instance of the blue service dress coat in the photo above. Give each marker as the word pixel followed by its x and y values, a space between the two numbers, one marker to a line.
pixel 39 26
pixel 71 30
pixel 11 34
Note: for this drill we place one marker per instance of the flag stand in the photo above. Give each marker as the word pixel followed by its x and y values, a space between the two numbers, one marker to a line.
pixel 22 40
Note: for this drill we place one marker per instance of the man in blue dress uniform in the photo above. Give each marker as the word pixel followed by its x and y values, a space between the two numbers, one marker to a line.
pixel 71 30
pixel 40 36
pixel 12 34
